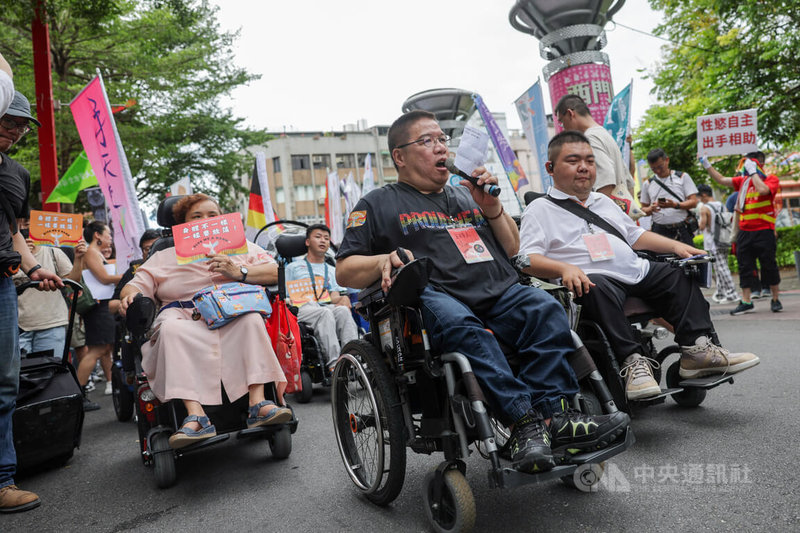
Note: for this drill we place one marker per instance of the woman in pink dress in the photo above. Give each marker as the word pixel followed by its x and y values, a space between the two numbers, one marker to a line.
pixel 183 358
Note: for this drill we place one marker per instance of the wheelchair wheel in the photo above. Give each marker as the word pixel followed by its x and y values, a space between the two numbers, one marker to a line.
pixel 368 422
pixel 163 461
pixel 690 397
pixel 304 396
pixel 280 443
pixel 456 513
pixel 122 396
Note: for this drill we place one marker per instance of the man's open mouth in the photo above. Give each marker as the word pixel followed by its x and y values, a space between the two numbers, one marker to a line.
pixel 440 164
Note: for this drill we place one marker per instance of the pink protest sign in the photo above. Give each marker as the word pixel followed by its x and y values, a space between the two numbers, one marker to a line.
pixel 216 235
pixel 591 81
pixel 100 139
pixel 727 133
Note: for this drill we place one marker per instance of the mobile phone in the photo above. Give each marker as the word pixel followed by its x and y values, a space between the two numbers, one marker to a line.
pixel 662 200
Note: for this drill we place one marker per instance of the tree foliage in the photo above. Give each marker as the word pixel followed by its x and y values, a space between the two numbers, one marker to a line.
pixel 724 55
pixel 171 57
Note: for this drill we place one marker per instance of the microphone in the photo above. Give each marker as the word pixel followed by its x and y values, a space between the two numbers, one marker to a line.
pixel 488 188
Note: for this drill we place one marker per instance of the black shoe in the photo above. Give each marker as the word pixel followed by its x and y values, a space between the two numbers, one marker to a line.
pixel 573 429
pixel 530 444
pixel 776 306
pixel 743 308
pixel 89 405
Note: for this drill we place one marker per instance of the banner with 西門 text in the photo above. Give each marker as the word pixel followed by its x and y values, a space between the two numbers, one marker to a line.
pixel 731 133
pixel 101 142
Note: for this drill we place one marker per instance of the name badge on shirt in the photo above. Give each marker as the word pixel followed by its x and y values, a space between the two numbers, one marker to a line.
pixel 599 246
pixel 471 246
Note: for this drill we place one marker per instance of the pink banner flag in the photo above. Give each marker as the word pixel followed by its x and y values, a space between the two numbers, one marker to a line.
pixel 100 139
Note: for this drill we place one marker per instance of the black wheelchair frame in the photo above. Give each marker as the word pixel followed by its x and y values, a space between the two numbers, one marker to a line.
pixel 156 421
pixel 390 392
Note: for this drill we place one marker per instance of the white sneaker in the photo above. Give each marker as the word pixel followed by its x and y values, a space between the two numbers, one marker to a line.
pixel 732 299
pixel 639 380
pixel 108 390
pixel 89 387
pixel 704 358
pixel 717 299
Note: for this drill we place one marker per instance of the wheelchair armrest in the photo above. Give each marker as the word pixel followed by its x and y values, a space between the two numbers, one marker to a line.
pixel 407 284
pixel 140 316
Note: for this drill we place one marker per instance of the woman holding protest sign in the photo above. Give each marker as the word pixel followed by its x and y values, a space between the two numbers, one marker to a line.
pixel 186 360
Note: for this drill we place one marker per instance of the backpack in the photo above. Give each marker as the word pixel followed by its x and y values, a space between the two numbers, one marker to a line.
pixel 723 227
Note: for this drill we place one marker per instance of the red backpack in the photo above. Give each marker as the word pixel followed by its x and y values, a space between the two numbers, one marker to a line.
pixel 284 332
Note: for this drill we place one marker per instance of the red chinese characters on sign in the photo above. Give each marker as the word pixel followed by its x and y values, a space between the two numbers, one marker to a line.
pixel 217 235
pixel 727 133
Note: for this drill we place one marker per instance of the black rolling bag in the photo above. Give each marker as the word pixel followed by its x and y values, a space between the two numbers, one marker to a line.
pixel 49 416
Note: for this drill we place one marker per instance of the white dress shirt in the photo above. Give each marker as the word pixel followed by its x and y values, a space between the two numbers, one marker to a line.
pixel 552 231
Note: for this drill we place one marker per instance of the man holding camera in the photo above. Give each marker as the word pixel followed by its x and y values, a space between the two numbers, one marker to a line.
pixel 668 197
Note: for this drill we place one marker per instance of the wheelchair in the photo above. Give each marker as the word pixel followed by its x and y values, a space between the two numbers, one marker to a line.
pixel 390 393
pixel 685 392
pixel 156 421
pixel 288 246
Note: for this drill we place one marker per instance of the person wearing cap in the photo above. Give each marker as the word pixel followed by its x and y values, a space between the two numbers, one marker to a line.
pixel 14 189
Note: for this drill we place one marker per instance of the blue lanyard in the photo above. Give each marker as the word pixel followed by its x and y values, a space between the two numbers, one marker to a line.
pixel 312 276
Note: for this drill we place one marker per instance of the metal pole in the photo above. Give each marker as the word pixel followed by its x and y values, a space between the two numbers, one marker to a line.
pixel 48 160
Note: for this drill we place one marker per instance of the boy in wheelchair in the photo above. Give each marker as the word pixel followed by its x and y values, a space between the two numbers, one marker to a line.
pixel 592 249
pixel 467 294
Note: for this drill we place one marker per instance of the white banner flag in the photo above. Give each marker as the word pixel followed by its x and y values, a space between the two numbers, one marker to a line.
pixel 333 208
pixel 369 179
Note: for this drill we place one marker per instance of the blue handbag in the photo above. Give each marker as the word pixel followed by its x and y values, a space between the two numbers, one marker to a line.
pixel 220 304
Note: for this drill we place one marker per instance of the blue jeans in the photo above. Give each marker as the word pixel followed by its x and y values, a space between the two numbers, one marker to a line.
pixel 525 317
pixel 43 340
pixel 9 378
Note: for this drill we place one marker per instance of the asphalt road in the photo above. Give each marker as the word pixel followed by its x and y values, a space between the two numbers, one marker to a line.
pixel 730 464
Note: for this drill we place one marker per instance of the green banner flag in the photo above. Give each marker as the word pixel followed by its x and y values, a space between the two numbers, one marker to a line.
pixel 78 176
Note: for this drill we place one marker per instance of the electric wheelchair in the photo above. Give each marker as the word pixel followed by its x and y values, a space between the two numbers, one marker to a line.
pixel 156 421
pixel 390 392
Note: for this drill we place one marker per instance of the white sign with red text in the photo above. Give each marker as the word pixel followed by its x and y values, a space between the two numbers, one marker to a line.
pixel 732 133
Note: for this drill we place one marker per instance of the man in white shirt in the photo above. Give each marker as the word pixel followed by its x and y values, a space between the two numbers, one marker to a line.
pixel 574 114
pixel 602 269
pixel 669 208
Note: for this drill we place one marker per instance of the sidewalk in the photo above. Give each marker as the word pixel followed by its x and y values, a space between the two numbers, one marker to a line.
pixel 789 296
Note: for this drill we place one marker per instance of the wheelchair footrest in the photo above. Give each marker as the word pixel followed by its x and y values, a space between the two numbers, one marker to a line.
pixel 508 478
pixel 202 444
pixel 659 398
pixel 707 382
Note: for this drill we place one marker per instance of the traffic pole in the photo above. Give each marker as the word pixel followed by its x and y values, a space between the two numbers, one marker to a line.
pixel 48 160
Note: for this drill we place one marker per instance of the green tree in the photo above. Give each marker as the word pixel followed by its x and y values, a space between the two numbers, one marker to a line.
pixel 171 57
pixel 724 55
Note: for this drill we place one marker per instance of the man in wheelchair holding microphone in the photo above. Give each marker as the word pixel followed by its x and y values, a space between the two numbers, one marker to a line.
pixel 584 239
pixel 470 292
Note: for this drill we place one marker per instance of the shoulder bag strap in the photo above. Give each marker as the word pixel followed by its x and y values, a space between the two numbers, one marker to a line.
pixel 663 186
pixel 588 215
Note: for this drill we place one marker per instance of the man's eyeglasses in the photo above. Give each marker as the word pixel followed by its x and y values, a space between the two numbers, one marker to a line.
pixel 428 142
pixel 12 125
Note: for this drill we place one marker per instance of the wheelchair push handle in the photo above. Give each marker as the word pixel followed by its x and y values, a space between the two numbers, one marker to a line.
pixel 28 284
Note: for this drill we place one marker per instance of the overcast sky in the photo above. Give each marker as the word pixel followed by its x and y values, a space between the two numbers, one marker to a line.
pixel 326 63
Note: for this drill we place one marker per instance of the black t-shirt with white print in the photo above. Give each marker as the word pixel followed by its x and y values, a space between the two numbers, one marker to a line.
pixel 398 215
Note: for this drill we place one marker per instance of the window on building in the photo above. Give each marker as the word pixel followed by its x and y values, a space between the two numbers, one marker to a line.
pixel 276 164
pixel 303 193
pixel 362 159
pixel 321 191
pixel 386 160
pixel 322 161
pixel 280 196
pixel 301 162
pixel 345 161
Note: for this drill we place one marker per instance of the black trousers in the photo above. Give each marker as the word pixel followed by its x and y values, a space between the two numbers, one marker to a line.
pixel 679 233
pixel 674 296
pixel 761 245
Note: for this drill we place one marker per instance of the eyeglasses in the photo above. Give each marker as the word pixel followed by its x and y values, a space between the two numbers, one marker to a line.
pixel 428 142
pixel 12 125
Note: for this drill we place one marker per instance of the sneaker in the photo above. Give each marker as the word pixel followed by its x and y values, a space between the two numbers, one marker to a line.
pixel 766 293
pixel 638 374
pixel 743 308
pixel 704 358
pixel 530 444
pixel 733 298
pixel 755 295
pixel 89 405
pixel 108 391
pixel 776 306
pixel 717 298
pixel 89 387
pixel 13 500
pixel 574 430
